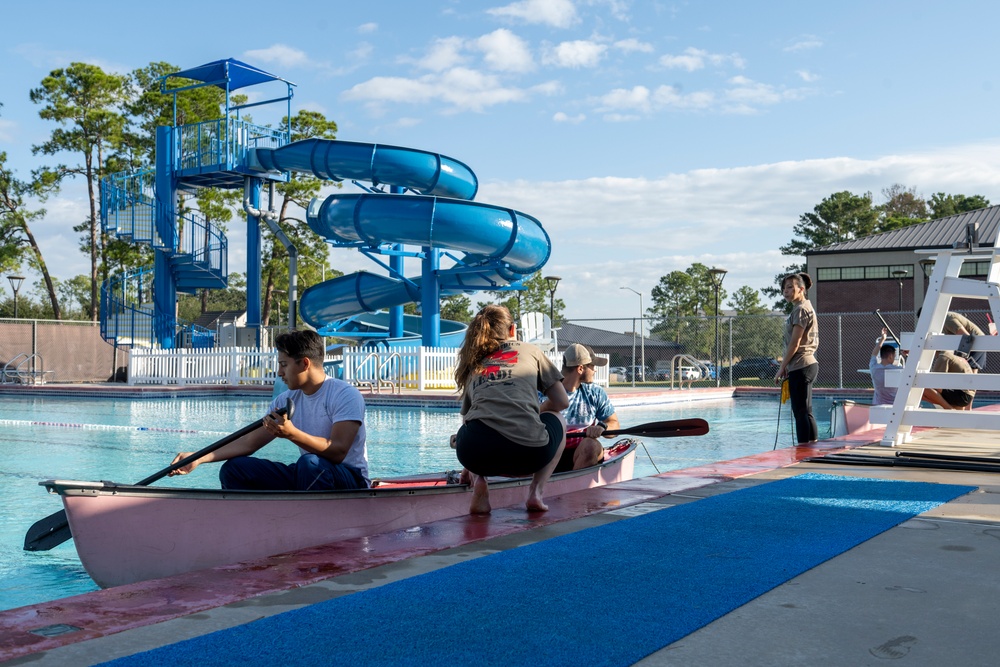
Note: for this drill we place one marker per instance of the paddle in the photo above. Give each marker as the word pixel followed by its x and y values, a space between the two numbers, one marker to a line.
pixel 53 530
pixel 664 429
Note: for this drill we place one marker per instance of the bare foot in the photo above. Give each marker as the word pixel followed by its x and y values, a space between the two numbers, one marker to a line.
pixel 480 496
pixel 535 504
pixel 465 477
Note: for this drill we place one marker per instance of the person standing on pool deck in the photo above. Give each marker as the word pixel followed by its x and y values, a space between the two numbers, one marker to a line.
pixel 328 426
pixel 505 431
pixel 799 363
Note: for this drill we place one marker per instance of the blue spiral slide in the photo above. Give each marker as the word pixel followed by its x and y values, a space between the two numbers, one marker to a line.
pixel 491 246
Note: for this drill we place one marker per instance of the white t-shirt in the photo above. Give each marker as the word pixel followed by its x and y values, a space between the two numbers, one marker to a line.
pixel 335 401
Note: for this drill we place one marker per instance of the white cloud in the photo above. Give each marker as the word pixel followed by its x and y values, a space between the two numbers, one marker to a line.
pixel 367 28
pixel 807 76
pixel 736 218
pixel 281 55
pixel 556 13
pixel 505 52
pixel 804 43
pixel 746 95
pixel 669 97
pixel 444 54
pixel 635 99
pixel 632 45
pixel 575 54
pixel 461 88
pixel 561 117
pixel 693 59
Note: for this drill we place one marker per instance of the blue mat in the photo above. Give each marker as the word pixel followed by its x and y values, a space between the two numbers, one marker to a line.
pixel 655 577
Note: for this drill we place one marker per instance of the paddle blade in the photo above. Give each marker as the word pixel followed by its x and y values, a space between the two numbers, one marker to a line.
pixel 47 533
pixel 665 429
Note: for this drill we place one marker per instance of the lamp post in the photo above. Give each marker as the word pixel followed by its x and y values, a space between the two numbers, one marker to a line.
pixel 15 284
pixel 321 265
pixel 718 275
pixel 899 274
pixel 642 337
pixel 553 282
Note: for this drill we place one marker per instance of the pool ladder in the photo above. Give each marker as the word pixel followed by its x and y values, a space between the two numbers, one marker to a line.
pixel 386 375
pixel 24 369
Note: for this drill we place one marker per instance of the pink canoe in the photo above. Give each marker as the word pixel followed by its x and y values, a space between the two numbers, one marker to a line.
pixel 126 533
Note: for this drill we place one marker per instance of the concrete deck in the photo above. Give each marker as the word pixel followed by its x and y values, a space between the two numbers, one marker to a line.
pixel 924 592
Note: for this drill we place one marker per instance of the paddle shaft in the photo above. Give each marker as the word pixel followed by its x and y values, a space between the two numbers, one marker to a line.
pixel 662 429
pixel 54 529
pixel 888 328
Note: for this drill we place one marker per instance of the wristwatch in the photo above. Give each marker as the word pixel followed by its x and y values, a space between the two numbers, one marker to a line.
pixel 603 425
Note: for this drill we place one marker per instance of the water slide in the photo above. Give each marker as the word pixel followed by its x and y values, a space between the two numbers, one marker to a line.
pixel 497 245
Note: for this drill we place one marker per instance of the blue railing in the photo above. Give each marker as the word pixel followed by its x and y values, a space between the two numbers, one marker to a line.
pixel 223 142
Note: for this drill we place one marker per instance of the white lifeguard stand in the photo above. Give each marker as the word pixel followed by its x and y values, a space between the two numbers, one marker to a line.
pixel 536 328
pixel 945 284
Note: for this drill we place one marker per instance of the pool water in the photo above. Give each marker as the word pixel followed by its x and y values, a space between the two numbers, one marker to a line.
pixel 124 441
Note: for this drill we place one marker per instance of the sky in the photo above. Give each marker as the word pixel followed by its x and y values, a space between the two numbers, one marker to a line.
pixel 645 136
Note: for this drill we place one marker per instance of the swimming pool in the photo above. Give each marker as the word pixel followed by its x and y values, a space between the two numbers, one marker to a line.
pixel 125 440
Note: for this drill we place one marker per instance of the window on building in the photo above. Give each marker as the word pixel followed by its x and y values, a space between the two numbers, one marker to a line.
pixel 882 272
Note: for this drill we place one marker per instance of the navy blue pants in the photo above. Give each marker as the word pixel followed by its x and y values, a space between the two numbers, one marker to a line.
pixel 800 384
pixel 309 473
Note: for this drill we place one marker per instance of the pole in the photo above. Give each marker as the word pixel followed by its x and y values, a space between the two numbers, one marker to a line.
pixel 718 275
pixel 642 334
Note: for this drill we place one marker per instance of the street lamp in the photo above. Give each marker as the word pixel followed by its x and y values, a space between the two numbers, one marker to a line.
pixel 899 274
pixel 642 336
pixel 15 284
pixel 553 282
pixel 718 275
pixel 321 265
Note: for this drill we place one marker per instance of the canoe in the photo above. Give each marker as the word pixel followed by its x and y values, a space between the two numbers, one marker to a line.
pixel 126 533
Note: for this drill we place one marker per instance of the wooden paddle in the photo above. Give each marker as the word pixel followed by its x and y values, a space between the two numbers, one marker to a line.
pixel 54 529
pixel 664 429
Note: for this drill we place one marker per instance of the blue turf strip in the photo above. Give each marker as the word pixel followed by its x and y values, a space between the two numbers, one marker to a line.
pixel 663 575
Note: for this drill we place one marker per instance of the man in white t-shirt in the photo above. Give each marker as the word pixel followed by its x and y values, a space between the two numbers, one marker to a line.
pixel 328 426
pixel 883 358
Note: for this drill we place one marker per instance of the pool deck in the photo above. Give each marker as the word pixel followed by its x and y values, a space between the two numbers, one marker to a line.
pixel 924 592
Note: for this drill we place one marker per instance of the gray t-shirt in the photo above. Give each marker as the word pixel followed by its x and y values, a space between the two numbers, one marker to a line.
pixel 335 401
pixel 505 395
pixel 803 315
pixel 883 395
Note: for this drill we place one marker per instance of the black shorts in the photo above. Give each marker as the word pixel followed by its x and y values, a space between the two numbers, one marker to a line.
pixel 485 451
pixel 956 397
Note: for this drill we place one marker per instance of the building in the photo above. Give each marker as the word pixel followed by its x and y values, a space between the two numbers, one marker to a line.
pixel 888 272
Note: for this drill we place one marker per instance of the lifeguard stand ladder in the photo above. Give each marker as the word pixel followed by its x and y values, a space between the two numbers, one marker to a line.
pixel 945 284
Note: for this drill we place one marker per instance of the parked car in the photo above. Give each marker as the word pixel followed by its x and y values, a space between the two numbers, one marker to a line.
pixel 712 371
pixel 688 373
pixel 762 368
pixel 639 375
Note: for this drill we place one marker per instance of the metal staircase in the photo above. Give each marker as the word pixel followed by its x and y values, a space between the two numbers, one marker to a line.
pixel 138 307
pixel 946 283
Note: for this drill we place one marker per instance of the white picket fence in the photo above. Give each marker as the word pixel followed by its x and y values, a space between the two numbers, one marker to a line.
pixel 416 367
pixel 420 368
pixel 229 365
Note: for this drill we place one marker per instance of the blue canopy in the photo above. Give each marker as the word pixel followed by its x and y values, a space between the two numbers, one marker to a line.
pixel 239 74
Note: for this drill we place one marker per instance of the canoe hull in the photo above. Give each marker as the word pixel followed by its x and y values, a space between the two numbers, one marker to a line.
pixel 124 534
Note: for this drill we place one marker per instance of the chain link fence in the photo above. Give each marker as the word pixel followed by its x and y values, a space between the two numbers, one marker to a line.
pixel 734 351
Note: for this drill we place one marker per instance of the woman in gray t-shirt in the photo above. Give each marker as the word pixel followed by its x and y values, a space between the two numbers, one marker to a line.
pixel 505 431
pixel 799 363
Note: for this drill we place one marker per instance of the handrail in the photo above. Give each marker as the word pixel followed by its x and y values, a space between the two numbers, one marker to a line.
pixel 8 370
pixel 394 386
pixel 374 383
pixel 675 367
